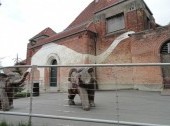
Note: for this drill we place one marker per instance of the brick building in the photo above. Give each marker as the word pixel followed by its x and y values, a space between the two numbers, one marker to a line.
pixel 91 38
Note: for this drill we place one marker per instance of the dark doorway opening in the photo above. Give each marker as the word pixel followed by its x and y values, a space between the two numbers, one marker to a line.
pixel 53 74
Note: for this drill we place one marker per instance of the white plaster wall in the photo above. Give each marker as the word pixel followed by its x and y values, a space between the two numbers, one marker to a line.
pixel 65 55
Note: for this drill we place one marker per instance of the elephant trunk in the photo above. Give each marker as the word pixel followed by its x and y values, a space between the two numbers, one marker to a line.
pixel 21 80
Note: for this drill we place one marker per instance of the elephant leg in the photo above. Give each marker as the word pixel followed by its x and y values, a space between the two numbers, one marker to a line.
pixel 91 94
pixel 71 96
pixel 4 100
pixel 84 98
pixel 10 96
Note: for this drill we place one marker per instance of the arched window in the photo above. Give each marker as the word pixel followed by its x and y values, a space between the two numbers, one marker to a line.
pixel 165 58
pixel 165 49
pixel 53 74
pixel 54 62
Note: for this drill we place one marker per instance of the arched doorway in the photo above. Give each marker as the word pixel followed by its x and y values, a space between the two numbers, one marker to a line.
pixel 165 58
pixel 53 74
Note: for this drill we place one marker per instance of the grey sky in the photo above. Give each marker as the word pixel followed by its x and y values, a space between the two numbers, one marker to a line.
pixel 22 19
pixel 160 10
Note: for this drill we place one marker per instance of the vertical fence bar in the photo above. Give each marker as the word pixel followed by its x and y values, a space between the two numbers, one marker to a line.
pixel 117 99
pixel 31 94
pixel 117 103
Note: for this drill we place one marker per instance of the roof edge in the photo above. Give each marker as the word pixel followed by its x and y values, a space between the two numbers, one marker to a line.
pixel 110 6
pixel 50 41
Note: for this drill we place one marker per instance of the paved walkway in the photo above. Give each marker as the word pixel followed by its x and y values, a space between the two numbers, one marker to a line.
pixel 125 105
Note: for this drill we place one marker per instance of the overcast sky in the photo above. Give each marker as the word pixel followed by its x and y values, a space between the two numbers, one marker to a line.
pixel 20 20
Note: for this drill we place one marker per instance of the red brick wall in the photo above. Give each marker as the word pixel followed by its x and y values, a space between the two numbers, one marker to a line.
pixel 83 43
pixel 135 20
pixel 30 53
pixel 140 48
pixel 116 75
pixel 146 49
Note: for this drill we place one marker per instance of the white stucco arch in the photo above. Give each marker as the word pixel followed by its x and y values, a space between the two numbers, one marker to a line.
pixel 51 57
pixel 49 61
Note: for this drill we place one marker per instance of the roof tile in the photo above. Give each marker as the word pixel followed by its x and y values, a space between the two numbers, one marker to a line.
pixel 46 32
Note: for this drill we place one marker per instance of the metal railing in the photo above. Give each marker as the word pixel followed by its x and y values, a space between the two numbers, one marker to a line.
pixel 31 113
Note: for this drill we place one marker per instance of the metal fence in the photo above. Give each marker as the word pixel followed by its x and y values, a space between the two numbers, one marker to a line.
pixel 118 106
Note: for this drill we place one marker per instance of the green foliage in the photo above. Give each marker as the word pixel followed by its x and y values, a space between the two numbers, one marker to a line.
pixel 21 95
pixel 4 123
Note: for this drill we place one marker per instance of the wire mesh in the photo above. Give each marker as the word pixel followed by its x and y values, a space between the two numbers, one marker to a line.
pixel 119 100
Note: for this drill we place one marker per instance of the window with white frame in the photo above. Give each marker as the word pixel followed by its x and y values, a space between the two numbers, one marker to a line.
pixel 115 23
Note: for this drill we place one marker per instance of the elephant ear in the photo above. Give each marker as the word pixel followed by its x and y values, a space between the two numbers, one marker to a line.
pixel 90 70
pixel 70 73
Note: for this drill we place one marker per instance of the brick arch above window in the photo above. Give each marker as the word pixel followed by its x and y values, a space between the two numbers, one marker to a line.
pixel 165 48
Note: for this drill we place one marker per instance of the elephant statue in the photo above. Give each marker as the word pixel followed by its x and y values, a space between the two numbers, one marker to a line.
pixel 7 83
pixel 82 82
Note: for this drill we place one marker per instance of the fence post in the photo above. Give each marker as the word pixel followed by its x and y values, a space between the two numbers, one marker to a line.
pixel 33 68
pixel 116 97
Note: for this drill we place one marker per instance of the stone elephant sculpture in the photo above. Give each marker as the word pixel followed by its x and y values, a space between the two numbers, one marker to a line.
pixel 82 82
pixel 7 84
